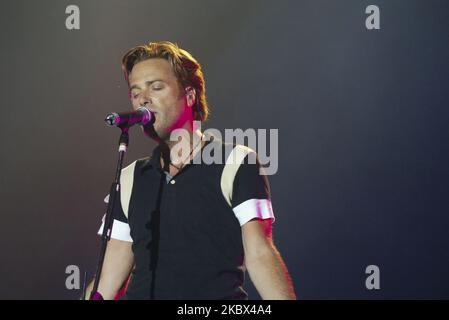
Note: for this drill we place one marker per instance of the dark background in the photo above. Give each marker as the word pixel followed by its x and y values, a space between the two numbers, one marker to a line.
pixel 362 118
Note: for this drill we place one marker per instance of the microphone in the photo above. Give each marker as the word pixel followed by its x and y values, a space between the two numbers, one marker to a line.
pixel 127 119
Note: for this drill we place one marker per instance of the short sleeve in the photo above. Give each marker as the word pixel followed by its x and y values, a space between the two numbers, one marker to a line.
pixel 251 191
pixel 120 227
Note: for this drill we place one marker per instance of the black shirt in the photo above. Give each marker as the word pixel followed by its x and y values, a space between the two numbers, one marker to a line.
pixel 186 229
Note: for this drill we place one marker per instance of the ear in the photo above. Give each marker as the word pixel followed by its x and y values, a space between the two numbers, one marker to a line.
pixel 190 96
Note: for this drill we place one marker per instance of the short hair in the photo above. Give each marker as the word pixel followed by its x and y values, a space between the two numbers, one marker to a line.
pixel 186 68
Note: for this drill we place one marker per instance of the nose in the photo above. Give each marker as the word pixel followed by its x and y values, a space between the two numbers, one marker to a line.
pixel 145 99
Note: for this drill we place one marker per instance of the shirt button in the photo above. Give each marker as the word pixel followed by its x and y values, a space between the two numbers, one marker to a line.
pixel 172 181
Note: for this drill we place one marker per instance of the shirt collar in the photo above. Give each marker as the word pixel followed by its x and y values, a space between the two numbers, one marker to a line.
pixel 154 160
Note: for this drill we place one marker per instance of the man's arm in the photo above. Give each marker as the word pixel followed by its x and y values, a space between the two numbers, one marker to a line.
pixel 118 262
pixel 264 263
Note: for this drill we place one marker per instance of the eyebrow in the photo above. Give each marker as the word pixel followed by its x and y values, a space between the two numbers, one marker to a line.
pixel 148 83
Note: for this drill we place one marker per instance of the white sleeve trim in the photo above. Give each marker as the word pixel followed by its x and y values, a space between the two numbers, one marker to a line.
pixel 254 208
pixel 120 231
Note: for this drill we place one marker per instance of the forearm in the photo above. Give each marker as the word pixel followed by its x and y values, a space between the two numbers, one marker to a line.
pixel 107 291
pixel 270 275
pixel 89 290
pixel 117 266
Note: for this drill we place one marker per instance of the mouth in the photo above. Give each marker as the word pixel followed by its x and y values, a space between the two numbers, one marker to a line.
pixel 154 113
pixel 155 117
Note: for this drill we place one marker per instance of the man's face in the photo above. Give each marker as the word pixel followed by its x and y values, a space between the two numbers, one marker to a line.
pixel 154 84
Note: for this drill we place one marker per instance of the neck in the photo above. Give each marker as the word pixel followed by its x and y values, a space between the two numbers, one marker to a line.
pixel 190 129
pixel 191 137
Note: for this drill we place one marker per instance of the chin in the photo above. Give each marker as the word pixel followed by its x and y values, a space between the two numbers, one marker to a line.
pixel 156 133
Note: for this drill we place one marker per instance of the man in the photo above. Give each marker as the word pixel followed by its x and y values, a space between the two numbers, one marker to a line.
pixel 185 230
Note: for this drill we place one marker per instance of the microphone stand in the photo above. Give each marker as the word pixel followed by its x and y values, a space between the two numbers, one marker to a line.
pixel 108 221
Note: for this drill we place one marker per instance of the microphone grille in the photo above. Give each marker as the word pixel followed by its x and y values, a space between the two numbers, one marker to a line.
pixel 111 119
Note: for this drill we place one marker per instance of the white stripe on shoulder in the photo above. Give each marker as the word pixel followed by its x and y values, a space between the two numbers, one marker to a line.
pixel 231 167
pixel 126 185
